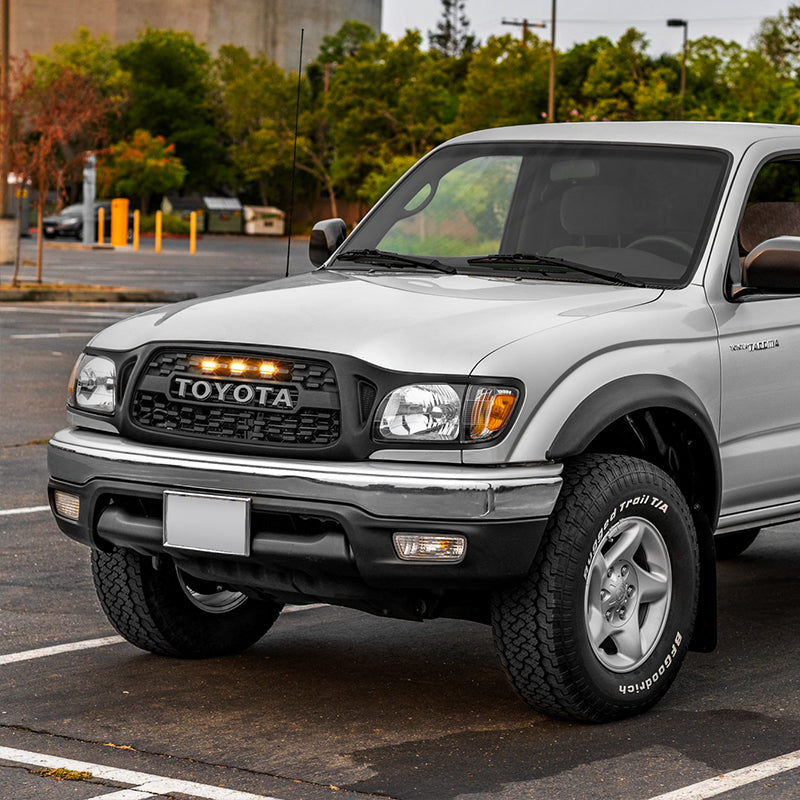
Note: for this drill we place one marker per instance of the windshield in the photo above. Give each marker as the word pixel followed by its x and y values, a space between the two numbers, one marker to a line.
pixel 72 211
pixel 639 214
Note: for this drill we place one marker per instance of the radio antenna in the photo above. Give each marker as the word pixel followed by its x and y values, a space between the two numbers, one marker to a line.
pixel 294 154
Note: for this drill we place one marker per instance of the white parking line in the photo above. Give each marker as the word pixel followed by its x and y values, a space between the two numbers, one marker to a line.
pixel 11 512
pixel 42 652
pixel 141 782
pixel 91 644
pixel 732 780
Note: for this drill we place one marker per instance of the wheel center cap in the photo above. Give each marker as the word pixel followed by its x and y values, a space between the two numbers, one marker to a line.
pixel 619 593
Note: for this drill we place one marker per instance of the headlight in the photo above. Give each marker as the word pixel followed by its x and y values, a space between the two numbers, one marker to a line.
pixel 93 384
pixel 421 412
pixel 440 412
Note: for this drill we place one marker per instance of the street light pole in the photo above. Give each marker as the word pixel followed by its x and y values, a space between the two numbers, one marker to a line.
pixel 681 23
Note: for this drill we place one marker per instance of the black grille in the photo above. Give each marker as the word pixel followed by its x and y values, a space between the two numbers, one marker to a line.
pixel 238 397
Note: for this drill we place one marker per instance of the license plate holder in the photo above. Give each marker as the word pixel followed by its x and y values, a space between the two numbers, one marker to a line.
pixel 207 523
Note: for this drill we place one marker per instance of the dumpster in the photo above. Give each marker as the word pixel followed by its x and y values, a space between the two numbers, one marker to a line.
pixel 264 220
pixel 223 214
pixel 183 206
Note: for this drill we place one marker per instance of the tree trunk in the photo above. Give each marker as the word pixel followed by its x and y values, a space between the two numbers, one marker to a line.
pixel 332 196
pixel 40 230
pixel 15 277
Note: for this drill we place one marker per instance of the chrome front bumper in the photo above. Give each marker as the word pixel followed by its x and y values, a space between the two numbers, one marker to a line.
pixel 382 489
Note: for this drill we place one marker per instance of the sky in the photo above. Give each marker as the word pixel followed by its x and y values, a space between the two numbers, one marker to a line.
pixel 581 20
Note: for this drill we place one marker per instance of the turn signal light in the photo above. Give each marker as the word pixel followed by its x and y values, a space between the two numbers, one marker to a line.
pixel 491 409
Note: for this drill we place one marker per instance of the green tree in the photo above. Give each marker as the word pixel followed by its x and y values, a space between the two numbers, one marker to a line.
pixel 92 57
pixel 452 36
pixel 778 41
pixel 390 99
pixel 171 95
pixel 506 84
pixel 624 83
pixel 138 168
pixel 258 100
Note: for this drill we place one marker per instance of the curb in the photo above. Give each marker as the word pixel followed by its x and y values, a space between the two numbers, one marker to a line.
pixel 90 294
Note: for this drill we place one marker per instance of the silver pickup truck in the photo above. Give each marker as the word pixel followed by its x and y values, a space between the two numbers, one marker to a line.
pixel 542 385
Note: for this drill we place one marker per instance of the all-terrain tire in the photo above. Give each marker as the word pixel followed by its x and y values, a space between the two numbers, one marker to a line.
pixel 159 609
pixel 598 629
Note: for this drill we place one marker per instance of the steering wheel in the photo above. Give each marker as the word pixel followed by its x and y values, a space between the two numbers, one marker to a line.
pixel 661 239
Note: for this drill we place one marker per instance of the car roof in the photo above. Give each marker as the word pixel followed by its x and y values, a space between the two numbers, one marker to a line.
pixel 733 136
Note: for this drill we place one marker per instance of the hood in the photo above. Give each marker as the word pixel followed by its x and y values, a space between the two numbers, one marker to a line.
pixel 403 321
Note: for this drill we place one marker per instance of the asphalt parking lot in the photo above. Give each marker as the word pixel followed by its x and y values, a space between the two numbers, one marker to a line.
pixel 332 702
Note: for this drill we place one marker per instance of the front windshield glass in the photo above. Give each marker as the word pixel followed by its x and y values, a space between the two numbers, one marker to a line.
pixel 636 213
pixel 72 211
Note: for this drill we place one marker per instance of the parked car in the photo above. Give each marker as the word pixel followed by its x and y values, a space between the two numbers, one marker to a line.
pixel 69 222
pixel 532 388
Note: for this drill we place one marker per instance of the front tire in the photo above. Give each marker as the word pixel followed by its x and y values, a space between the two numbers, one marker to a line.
pixel 161 609
pixel 599 628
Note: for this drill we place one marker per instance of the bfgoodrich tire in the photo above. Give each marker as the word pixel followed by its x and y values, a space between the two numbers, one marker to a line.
pixel 159 608
pixel 599 628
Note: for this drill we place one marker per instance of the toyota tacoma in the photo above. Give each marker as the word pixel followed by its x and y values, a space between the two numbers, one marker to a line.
pixel 544 384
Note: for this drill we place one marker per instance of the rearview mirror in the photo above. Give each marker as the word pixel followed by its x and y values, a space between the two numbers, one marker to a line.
pixel 326 236
pixel 774 265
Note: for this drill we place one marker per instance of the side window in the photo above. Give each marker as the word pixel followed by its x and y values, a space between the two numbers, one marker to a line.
pixel 773 206
pixel 772 209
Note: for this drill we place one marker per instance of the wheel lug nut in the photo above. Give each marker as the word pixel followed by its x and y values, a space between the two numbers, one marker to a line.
pixel 610 573
pixel 622 613
pixel 608 615
pixel 624 571
pixel 603 594
pixel 630 591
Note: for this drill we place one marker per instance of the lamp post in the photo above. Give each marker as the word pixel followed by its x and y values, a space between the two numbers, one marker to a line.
pixel 681 23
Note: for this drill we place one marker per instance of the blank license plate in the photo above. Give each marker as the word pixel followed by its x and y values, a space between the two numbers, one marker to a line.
pixel 208 523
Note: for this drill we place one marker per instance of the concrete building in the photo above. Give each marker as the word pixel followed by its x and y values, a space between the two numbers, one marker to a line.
pixel 268 26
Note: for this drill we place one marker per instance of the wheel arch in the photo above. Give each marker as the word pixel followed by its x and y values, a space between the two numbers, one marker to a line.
pixel 661 420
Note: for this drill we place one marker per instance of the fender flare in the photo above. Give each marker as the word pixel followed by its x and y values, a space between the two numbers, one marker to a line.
pixel 622 396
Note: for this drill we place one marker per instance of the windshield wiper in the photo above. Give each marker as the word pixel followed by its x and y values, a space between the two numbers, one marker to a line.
pixel 386 259
pixel 535 259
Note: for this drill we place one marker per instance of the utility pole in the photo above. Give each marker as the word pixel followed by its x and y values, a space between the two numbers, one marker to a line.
pixel 524 24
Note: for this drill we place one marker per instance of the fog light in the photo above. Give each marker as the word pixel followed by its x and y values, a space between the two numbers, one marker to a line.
pixel 67 505
pixel 429 547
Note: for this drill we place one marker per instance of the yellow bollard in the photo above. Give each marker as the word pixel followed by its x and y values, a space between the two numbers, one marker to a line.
pixel 119 221
pixel 158 231
pixel 136 216
pixel 193 232
pixel 101 224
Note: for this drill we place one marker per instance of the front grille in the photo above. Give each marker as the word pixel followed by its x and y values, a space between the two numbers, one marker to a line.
pixel 238 397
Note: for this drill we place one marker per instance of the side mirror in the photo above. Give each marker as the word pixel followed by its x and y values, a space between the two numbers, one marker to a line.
pixel 326 237
pixel 773 265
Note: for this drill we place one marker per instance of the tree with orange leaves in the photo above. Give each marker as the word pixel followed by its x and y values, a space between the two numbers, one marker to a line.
pixel 52 124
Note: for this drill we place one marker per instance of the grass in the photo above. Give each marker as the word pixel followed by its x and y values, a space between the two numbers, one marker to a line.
pixel 63 774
